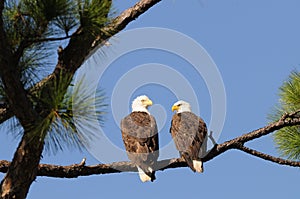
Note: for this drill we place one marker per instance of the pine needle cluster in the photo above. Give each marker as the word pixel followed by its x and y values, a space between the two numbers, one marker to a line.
pixel 34 29
pixel 287 139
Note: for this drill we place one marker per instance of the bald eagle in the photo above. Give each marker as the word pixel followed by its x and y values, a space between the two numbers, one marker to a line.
pixel 139 133
pixel 189 134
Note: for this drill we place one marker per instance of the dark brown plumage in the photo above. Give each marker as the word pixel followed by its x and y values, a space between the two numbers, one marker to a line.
pixel 139 133
pixel 189 133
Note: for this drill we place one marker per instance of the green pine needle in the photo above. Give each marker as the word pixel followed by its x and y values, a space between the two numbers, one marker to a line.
pixel 70 118
pixel 28 25
pixel 287 139
pixel 93 14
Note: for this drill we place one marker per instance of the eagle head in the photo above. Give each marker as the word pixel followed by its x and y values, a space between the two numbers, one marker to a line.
pixel 181 106
pixel 141 103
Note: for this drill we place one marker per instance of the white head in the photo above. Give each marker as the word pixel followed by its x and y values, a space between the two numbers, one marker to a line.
pixel 181 106
pixel 141 103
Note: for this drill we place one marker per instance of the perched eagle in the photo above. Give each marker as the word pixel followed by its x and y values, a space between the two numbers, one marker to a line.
pixel 139 133
pixel 189 134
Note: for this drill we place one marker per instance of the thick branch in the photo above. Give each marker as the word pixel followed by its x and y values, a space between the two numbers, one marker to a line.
pixel 130 14
pixel 77 170
pixel 23 169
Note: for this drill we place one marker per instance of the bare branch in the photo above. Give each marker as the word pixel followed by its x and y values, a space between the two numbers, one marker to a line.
pixel 82 163
pixel 49 39
pixel 212 139
pixel 76 170
pixel 269 157
pixel 284 121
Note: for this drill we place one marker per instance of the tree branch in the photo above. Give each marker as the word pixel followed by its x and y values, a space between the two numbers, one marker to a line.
pixel 269 157
pixel 76 170
pixel 48 39
pixel 286 120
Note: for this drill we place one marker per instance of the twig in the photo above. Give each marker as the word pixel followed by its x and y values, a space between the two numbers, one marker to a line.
pixel 210 136
pixel 49 39
pixel 269 157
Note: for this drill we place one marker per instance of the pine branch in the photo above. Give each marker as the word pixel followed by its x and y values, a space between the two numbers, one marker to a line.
pixel 114 27
pixel 76 170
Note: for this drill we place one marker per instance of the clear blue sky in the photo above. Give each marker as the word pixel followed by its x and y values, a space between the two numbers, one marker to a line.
pixel 255 45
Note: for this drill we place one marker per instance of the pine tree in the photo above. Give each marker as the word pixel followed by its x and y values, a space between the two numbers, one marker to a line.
pixel 30 33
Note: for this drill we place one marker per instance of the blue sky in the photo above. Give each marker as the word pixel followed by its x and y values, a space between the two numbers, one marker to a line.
pixel 254 44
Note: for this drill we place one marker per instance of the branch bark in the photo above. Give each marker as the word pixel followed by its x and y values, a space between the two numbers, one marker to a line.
pixel 23 169
pixel 76 170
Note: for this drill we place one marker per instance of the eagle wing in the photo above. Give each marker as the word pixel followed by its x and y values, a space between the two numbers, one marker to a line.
pixel 140 137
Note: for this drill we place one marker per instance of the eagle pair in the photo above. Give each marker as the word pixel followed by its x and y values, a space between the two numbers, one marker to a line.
pixel 140 136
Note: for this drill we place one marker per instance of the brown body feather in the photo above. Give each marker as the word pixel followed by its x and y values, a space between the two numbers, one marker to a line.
pixel 140 137
pixel 189 135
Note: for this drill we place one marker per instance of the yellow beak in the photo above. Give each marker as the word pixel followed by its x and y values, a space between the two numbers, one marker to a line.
pixel 148 103
pixel 175 108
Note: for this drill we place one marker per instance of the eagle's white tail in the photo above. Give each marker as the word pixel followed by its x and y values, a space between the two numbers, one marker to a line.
pixel 143 176
pixel 198 165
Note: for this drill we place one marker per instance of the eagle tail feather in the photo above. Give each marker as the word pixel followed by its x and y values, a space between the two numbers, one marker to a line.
pixel 146 176
pixel 198 166
pixel 188 160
